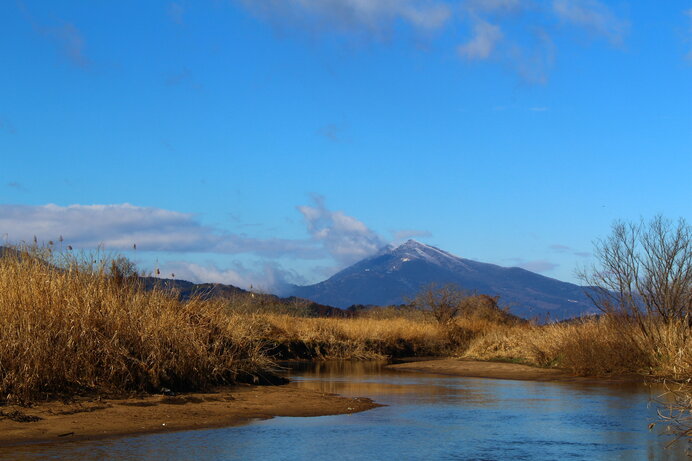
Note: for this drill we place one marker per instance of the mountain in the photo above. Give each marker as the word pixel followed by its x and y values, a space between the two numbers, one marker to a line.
pixel 397 273
pixel 187 290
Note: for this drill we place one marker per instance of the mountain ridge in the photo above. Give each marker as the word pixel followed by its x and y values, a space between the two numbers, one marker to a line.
pixel 395 274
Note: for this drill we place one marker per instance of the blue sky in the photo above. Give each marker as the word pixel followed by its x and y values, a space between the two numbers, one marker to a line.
pixel 264 142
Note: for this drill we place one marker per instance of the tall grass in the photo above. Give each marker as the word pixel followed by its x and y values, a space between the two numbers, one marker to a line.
pixel 591 347
pixel 76 325
pixel 349 338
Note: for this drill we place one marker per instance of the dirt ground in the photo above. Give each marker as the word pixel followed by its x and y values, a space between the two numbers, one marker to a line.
pixel 502 370
pixel 96 418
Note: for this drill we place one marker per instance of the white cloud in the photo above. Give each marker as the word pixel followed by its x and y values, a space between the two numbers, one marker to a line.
pixel 268 278
pixel 370 15
pixel 405 234
pixel 333 234
pixel 516 32
pixel 346 238
pixel 492 6
pixel 593 16
pixel 119 227
pixel 538 266
pixel 485 38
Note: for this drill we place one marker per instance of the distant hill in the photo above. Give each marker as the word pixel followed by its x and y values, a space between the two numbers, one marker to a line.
pixel 187 290
pixel 397 273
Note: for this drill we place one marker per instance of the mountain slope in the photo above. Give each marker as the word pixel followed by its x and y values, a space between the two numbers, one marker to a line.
pixel 395 274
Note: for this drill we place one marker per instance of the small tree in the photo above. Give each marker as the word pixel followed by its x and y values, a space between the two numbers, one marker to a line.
pixel 444 302
pixel 122 269
pixel 644 277
pixel 644 273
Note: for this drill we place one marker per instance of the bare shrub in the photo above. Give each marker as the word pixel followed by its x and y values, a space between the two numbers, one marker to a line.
pixel 443 302
pixel 644 275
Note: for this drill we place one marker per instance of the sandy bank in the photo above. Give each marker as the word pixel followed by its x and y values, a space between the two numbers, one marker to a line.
pixel 88 419
pixel 502 370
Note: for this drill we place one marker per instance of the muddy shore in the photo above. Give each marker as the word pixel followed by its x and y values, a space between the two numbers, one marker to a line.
pixel 99 418
pixel 503 370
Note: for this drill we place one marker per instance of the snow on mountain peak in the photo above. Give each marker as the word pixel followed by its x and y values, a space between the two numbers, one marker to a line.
pixel 414 250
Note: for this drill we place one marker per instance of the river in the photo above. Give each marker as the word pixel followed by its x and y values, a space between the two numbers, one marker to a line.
pixel 425 417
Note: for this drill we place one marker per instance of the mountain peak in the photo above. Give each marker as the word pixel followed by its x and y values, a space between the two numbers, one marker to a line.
pixel 410 243
pixel 413 249
pixel 398 272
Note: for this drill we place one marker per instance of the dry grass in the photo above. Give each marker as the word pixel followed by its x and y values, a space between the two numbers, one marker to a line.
pixel 592 346
pixel 83 328
pixel 354 338
pixel 79 325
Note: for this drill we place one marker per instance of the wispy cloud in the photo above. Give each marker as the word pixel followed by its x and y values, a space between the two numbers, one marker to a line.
pixel 485 38
pixel 516 32
pixel 65 35
pixel 7 126
pixel 559 248
pixel 332 234
pixel 119 227
pixel 593 16
pixel 176 13
pixel 405 234
pixel 533 61
pixel 183 77
pixel 331 132
pixel 688 13
pixel 16 185
pixel 539 266
pixel 269 277
pixel 478 6
pixel 565 249
pixel 373 17
pixel 345 238
pixel 70 41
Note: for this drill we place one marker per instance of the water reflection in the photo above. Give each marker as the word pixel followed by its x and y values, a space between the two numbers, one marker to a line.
pixel 427 417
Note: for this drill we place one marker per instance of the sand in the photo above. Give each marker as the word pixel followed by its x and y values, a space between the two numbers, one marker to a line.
pixel 97 418
pixel 503 370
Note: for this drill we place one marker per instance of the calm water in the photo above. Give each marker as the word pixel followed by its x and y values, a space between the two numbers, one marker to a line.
pixel 427 417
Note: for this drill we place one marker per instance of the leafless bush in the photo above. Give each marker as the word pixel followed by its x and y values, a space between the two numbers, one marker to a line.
pixel 645 275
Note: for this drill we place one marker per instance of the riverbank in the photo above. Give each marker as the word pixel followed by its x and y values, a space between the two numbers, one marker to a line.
pixel 504 370
pixel 85 419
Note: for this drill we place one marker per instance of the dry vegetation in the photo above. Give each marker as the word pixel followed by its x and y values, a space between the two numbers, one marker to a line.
pixel 75 326
pixel 595 346
pixel 87 325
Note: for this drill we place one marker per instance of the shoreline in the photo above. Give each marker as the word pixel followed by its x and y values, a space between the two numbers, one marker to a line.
pixel 97 418
pixel 505 370
pixel 88 419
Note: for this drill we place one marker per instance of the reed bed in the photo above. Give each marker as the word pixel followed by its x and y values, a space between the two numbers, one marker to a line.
pixel 87 325
pixel 79 326
pixel 591 347
pixel 350 338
